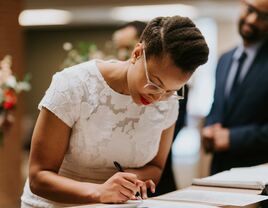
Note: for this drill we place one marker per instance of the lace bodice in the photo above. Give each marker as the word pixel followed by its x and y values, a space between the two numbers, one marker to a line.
pixel 106 126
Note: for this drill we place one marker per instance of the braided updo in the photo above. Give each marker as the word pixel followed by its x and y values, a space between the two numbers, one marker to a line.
pixel 179 38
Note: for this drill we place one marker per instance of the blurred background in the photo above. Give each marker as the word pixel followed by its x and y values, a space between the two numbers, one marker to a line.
pixel 40 35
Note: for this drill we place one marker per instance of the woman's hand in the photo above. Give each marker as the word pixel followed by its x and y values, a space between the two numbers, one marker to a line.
pixel 119 188
pixel 149 184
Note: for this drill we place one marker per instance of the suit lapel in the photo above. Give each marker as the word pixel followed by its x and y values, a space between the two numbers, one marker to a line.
pixel 225 71
pixel 251 77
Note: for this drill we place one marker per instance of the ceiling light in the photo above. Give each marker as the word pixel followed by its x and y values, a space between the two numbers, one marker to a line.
pixel 37 17
pixel 130 13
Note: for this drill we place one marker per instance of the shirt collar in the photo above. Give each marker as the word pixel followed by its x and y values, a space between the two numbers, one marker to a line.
pixel 250 50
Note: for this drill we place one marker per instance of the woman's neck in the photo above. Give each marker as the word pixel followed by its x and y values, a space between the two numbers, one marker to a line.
pixel 115 75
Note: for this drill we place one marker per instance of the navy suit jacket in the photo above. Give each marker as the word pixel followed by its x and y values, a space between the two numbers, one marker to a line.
pixel 245 115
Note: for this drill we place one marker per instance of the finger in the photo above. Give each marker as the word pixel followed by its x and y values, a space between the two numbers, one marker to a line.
pixel 120 180
pixel 121 198
pixel 130 186
pixel 127 193
pixel 139 183
pixel 144 191
pixel 130 177
pixel 150 184
pixel 207 131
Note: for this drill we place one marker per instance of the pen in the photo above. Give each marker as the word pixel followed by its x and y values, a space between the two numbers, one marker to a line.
pixel 120 169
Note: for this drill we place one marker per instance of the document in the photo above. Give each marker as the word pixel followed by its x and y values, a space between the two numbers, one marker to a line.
pixel 128 204
pixel 150 203
pixel 213 197
pixel 249 178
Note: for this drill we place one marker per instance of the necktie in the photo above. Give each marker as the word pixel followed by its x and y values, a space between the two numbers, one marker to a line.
pixel 236 83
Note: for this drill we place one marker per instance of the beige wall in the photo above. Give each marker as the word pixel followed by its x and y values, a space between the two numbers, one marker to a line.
pixel 44 55
pixel 228 36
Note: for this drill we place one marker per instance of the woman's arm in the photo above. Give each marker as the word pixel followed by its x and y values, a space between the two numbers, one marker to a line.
pixel 153 170
pixel 49 144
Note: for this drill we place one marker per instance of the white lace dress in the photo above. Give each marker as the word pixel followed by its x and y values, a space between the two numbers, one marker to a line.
pixel 106 127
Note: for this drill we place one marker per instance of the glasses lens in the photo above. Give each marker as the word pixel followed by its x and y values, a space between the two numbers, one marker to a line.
pixel 153 89
pixel 179 95
pixel 250 9
pixel 262 16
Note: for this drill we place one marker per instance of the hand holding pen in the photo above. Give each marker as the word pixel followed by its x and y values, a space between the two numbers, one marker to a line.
pixel 119 188
pixel 142 194
pixel 120 169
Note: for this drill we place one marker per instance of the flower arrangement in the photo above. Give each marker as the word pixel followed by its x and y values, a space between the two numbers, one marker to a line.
pixel 10 87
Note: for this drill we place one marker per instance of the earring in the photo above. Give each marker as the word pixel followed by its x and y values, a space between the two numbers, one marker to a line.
pixel 133 60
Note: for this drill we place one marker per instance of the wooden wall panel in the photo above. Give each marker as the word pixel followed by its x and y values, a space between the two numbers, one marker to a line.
pixel 11 42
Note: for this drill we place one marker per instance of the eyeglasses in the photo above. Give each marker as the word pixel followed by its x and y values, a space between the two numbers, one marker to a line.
pixel 157 90
pixel 262 16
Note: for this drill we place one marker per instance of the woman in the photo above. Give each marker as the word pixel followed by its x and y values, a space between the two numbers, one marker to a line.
pixel 98 112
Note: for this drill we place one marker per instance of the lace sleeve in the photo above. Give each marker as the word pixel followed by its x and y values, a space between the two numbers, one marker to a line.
pixel 63 98
pixel 172 114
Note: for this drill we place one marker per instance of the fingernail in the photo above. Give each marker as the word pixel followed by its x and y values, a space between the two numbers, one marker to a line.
pixel 138 198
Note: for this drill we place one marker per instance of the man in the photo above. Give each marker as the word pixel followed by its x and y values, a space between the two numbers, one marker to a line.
pixel 126 37
pixel 236 129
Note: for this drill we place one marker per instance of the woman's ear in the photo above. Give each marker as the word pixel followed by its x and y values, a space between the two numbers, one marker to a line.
pixel 137 52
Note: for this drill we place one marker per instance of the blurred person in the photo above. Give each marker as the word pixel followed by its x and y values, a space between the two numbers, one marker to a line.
pixel 73 146
pixel 124 40
pixel 126 37
pixel 236 129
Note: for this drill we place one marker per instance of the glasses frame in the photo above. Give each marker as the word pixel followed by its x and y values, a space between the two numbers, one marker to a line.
pixel 160 90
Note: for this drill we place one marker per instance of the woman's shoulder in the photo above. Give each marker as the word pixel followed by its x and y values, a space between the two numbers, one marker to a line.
pixel 84 75
pixel 81 71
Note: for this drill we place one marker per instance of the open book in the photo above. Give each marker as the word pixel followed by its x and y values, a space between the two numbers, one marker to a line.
pixel 212 198
pixel 255 177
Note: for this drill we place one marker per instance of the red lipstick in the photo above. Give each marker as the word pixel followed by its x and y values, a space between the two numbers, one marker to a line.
pixel 144 101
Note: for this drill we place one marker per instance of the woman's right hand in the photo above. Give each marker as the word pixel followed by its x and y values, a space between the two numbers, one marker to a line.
pixel 119 188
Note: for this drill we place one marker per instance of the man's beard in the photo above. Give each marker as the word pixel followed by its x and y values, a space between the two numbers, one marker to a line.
pixel 254 36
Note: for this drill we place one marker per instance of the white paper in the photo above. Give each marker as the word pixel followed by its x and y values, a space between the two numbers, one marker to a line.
pixel 166 204
pixel 128 204
pixel 250 178
pixel 213 197
pixel 149 203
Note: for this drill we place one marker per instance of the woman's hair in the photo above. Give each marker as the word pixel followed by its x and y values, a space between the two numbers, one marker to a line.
pixel 177 37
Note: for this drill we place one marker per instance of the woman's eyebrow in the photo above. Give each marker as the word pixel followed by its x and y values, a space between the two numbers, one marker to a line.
pixel 162 84
pixel 156 77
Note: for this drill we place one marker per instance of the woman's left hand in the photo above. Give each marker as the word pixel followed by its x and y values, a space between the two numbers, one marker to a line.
pixel 148 184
